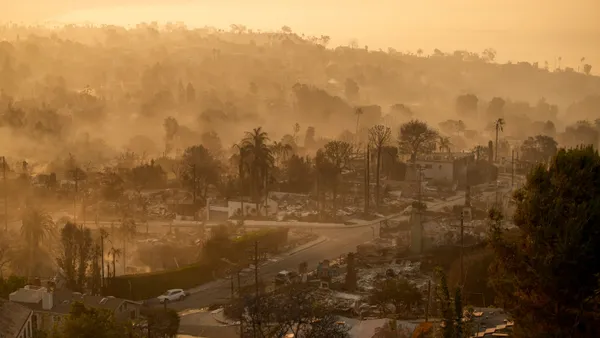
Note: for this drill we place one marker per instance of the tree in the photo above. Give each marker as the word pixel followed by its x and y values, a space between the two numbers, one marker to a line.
pixel 496 108
pixel 416 137
pixel 466 105
pixel 351 90
pixel 299 178
pixel 199 169
pixel 580 133
pixel 280 152
pixel 90 322
pixel 211 141
pixel 36 225
pixel 445 144
pixel 295 310
pixel 115 253
pixel 309 138
pixel 379 136
pixel 451 309
pixel 539 148
pixel 546 272
pixel 489 54
pixel 490 151
pixel 5 252
pixel 76 254
pixel 10 285
pixel 171 127
pixel 452 126
pixel 587 69
pixel 397 291
pixel 162 323
pixel 147 176
pixel 499 126
pixel 337 155
pixel 260 157
pixel 190 93
pixel 112 185
pixel 351 273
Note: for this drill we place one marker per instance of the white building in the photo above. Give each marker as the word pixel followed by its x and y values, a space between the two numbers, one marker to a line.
pixel 441 167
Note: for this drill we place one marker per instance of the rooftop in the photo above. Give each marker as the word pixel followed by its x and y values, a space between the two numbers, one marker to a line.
pixel 12 318
pixel 63 299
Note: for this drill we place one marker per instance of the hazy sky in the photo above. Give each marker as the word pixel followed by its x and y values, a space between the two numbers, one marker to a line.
pixel 532 30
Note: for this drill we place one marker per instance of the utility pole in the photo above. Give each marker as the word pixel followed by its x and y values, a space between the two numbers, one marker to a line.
pixel 102 264
pixel 243 306
pixel 428 301
pixel 420 204
pixel 367 180
pixel 257 304
pixel 462 246
pixel 194 186
pixel 512 179
pixel 5 194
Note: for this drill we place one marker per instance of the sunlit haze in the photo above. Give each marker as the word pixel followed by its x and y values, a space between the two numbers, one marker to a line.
pixel 532 30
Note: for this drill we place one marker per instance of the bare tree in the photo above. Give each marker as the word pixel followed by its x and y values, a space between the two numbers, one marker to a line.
pixel 379 137
pixel 337 156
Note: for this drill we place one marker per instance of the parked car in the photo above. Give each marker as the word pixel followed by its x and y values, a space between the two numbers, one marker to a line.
pixel 172 295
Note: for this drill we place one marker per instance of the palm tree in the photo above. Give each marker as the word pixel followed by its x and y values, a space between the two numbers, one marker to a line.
pixel 379 136
pixel 103 235
pixel 445 144
pixel 36 225
pixel 260 157
pixel 499 125
pixel 280 151
pixel 114 252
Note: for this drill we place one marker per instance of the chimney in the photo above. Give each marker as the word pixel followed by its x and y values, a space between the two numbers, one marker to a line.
pixel 47 300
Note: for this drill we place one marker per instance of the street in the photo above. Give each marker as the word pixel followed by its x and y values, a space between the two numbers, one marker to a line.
pixel 339 242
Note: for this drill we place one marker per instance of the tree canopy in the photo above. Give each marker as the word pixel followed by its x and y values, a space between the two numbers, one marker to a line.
pixel 546 273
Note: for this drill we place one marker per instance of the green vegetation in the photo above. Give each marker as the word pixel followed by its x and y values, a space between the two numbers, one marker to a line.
pixel 546 274
pixel 89 322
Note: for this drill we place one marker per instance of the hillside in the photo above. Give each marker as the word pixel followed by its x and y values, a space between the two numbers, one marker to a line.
pixel 76 88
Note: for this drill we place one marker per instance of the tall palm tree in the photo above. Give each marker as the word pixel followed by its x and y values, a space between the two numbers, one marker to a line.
pixel 499 125
pixel 103 235
pixel 243 161
pixel 114 252
pixel 36 225
pixel 280 151
pixel 445 144
pixel 260 159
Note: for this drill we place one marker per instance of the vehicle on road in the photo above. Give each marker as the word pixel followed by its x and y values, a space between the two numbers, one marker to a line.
pixel 172 295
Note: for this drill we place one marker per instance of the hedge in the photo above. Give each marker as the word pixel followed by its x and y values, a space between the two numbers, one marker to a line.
pixel 150 285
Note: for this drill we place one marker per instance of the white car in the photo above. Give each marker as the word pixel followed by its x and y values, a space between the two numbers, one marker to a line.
pixel 172 295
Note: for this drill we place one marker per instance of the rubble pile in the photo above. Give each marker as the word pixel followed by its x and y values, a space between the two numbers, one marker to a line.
pixel 406 269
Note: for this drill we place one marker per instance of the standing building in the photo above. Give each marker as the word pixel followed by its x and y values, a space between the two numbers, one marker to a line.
pixel 53 307
pixel 15 320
